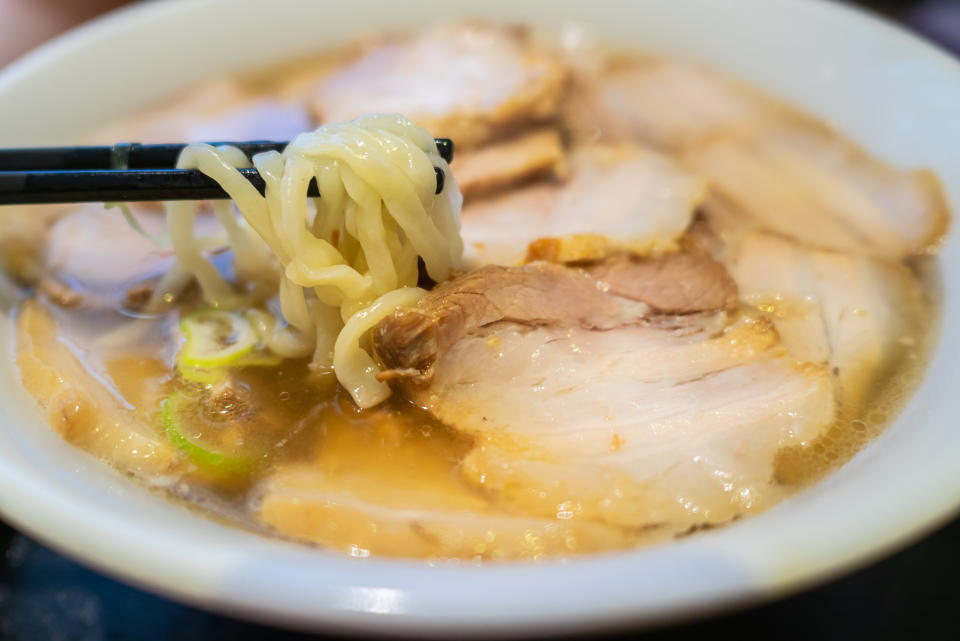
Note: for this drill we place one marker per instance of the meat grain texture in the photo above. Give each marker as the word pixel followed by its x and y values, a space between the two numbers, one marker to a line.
pixel 583 398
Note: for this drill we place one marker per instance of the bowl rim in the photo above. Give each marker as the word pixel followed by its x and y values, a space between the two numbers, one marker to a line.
pixel 383 596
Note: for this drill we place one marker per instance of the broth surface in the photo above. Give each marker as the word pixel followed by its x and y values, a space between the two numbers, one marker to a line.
pixel 303 461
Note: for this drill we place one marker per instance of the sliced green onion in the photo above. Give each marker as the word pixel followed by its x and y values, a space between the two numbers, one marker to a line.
pixel 259 359
pixel 203 457
pixel 201 375
pixel 216 338
pixel 213 375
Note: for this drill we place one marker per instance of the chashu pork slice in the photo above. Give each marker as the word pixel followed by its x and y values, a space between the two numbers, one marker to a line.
pixel 221 110
pixel 676 283
pixel 583 404
pixel 858 314
pixel 618 197
pixel 669 103
pixel 95 259
pixel 807 183
pixel 298 502
pixel 79 242
pixel 470 82
pixel 783 171
pixel 94 410
pixel 536 153
pixel 399 496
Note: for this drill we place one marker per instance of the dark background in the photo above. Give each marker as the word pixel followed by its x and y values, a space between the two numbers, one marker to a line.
pixel 911 595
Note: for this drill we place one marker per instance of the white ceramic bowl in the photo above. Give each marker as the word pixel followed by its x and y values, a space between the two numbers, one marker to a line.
pixel 894 93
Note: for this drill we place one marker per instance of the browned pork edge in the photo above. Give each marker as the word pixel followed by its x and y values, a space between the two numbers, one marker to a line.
pixel 595 296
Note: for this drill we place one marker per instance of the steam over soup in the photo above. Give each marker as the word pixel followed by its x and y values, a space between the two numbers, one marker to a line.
pixel 646 301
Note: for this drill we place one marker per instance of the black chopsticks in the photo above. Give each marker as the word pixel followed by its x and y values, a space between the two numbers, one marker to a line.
pixel 126 172
pixel 123 155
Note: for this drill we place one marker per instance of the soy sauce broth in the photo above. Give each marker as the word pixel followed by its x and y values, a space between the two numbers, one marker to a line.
pixel 345 477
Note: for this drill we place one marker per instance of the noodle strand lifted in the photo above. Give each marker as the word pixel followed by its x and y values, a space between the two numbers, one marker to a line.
pixel 336 264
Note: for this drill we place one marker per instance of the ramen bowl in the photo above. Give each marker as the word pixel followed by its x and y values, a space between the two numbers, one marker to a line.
pixel 891 92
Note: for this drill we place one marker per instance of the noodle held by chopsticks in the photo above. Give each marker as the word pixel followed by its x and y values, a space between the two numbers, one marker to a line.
pixel 343 260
